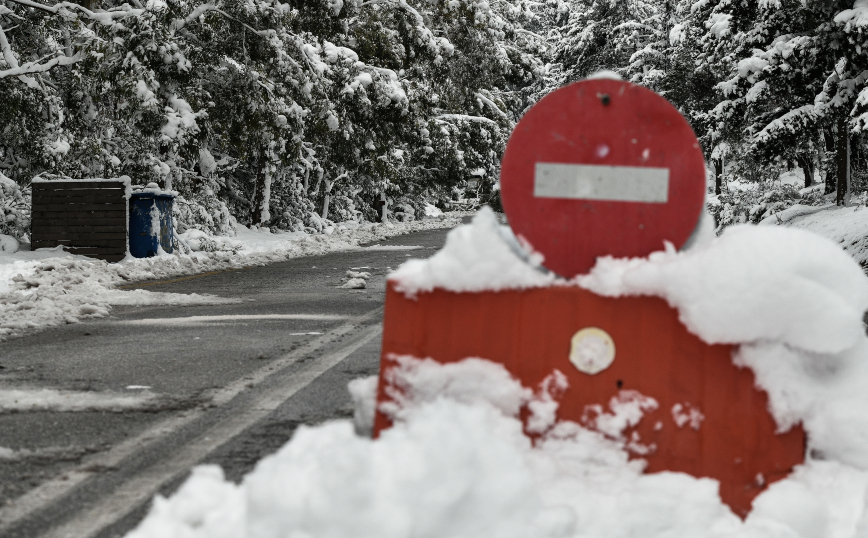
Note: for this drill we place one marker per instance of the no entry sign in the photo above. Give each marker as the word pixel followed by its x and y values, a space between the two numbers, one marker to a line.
pixel 602 167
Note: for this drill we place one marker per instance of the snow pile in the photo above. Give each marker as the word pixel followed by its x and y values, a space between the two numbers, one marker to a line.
pixel 66 290
pixel 751 284
pixel 481 256
pixel 49 287
pixel 456 464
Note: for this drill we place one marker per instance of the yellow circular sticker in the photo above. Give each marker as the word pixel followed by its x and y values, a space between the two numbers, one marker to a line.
pixel 592 350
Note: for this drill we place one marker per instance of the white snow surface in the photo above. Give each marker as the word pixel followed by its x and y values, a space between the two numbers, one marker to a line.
pixel 788 214
pixel 50 287
pixel 456 464
pixel 845 225
pixel 752 284
pixel 476 257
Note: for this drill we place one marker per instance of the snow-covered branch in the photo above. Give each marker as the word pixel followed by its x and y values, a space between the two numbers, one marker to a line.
pixel 103 17
pixel 206 8
pixel 492 105
pixel 12 62
pixel 36 67
pixel 466 117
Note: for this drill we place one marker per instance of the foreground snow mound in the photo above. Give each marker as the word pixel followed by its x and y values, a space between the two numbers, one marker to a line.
pixel 456 464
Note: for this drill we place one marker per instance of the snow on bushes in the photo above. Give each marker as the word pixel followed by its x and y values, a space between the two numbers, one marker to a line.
pixel 752 202
pixel 14 209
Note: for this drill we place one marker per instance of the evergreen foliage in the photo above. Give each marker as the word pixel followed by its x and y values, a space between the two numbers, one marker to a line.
pixel 270 113
pixel 291 114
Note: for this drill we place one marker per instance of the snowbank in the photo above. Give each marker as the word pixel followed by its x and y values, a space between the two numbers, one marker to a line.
pixel 456 464
pixel 846 226
pixel 50 287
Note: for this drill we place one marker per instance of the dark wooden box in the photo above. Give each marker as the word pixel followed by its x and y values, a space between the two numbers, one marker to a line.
pixel 86 217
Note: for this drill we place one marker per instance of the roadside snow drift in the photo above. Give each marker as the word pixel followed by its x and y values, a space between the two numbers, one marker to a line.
pixel 50 287
pixel 456 463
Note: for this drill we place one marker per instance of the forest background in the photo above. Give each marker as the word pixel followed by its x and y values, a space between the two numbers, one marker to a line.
pixel 295 114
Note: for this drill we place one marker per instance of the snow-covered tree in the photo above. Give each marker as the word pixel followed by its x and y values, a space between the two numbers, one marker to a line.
pixel 273 113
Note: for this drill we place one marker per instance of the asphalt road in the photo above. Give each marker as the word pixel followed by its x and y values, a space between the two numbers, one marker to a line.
pixel 148 393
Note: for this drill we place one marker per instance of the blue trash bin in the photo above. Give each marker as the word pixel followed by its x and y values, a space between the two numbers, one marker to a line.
pixel 150 223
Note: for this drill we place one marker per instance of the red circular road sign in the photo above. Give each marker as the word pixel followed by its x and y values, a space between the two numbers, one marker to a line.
pixel 602 167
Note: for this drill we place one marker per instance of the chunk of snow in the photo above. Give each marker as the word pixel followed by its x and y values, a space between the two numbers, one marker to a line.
pixel 432 211
pixel 8 244
pixel 207 164
pixel 476 257
pixel 751 284
pixel 364 394
pixel 354 284
pixel 605 74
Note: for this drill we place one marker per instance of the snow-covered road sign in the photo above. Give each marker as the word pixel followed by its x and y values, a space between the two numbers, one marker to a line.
pixel 602 167
pixel 598 168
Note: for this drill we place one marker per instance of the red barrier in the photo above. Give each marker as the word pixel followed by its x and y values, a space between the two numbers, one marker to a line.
pixel 530 333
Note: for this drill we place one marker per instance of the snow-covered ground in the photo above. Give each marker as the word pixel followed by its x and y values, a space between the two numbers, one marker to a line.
pixel 50 287
pixel 456 463
pixel 846 226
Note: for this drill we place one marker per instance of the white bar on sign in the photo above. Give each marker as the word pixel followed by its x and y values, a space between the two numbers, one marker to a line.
pixel 596 182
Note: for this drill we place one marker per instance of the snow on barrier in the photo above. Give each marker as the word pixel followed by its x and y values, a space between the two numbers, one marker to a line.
pixel 604 167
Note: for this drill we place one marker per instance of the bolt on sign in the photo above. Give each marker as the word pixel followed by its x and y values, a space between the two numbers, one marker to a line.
pixel 605 167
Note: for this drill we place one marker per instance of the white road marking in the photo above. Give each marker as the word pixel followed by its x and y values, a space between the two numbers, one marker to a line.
pixel 192 320
pixel 42 399
pixel 83 527
pixel 378 248
pixel 605 183
pixel 48 452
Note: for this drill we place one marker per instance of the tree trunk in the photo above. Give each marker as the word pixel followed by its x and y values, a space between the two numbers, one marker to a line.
pixel 842 162
pixel 830 173
pixel 260 190
pixel 807 164
pixel 384 214
pixel 718 175
pixel 325 205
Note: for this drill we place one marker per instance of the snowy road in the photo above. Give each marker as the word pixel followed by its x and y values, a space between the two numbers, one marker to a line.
pixel 107 413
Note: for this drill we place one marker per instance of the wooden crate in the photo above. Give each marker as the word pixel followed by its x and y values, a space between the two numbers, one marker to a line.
pixel 86 217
